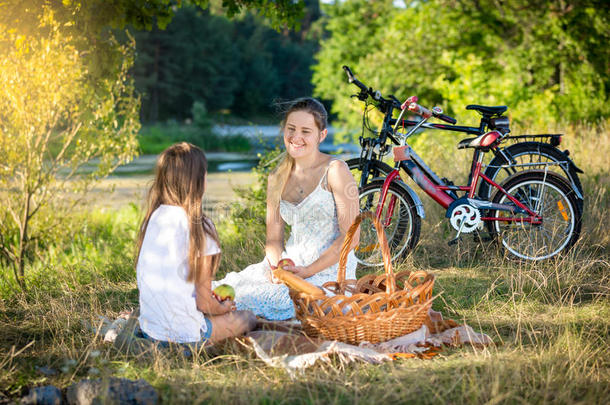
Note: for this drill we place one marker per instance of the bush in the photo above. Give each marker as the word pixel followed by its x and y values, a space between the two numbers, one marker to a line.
pixel 90 248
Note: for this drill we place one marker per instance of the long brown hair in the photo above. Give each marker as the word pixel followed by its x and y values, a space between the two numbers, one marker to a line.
pixel 279 176
pixel 180 180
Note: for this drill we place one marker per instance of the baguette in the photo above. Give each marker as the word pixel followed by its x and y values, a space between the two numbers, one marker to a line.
pixel 297 283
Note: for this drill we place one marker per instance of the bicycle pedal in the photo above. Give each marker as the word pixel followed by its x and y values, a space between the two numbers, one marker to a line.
pixel 454 241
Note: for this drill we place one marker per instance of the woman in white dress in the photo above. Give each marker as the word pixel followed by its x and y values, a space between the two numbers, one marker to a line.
pixel 317 196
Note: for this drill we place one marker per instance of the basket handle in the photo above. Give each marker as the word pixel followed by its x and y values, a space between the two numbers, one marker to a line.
pixel 385 252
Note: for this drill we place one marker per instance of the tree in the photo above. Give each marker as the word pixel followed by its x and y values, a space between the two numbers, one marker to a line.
pixel 353 29
pixel 556 55
pixel 194 59
pixel 97 15
pixel 54 124
pixel 547 62
pixel 92 25
pixel 240 65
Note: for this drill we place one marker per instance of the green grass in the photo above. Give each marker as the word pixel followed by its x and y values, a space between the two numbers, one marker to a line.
pixel 550 321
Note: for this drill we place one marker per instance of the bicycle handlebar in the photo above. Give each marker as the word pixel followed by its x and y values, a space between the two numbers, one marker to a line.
pixel 368 91
pixel 352 79
pixel 411 105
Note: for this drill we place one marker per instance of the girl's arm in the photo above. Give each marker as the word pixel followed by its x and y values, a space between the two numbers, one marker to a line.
pixel 274 245
pixel 206 302
pixel 345 191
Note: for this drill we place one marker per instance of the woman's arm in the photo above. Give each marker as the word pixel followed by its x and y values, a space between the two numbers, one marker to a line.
pixel 275 230
pixel 206 301
pixel 345 191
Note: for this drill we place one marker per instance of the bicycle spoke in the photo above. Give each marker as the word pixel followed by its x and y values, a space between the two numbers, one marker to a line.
pixel 397 223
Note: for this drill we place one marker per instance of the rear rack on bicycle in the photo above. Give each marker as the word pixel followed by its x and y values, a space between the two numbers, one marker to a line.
pixel 532 164
pixel 552 139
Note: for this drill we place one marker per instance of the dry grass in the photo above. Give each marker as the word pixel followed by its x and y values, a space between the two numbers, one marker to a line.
pixel 550 321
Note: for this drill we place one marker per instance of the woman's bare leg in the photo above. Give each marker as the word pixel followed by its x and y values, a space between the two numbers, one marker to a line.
pixel 231 324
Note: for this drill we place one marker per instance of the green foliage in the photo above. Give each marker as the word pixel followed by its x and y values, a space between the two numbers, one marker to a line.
pixel 195 59
pixel 281 13
pixel 353 28
pixel 96 15
pixel 55 119
pixel 69 101
pixel 154 139
pixel 254 207
pixel 546 63
pixel 239 66
pixel 90 247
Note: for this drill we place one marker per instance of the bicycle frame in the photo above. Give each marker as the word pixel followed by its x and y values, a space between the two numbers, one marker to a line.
pixel 406 158
pixel 551 139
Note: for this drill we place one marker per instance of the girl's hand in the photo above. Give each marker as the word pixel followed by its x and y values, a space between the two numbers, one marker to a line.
pixel 301 271
pixel 228 305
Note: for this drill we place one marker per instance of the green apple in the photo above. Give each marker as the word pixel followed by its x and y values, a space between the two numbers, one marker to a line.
pixel 225 292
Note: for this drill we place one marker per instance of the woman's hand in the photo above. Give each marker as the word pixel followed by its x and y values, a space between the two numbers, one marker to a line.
pixel 301 271
pixel 269 273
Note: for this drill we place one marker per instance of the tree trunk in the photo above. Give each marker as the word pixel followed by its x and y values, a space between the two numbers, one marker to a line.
pixel 23 241
pixel 154 97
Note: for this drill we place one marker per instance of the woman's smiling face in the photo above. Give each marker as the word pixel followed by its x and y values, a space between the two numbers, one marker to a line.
pixel 301 134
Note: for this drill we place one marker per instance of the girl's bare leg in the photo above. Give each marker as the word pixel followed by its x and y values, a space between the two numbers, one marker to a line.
pixel 231 324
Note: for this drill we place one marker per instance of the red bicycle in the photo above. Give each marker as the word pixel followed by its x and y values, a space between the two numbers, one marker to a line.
pixel 534 214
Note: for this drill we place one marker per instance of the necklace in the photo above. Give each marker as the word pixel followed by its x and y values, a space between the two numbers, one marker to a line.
pixel 298 187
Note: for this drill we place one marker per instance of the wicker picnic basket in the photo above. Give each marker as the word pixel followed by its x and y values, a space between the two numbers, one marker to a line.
pixel 374 308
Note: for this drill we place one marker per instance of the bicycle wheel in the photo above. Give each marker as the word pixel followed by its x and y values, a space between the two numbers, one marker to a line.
pixel 399 219
pixel 536 155
pixel 548 195
pixel 378 169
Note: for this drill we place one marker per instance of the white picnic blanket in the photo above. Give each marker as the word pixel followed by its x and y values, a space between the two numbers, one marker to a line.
pixel 285 347
pixel 274 348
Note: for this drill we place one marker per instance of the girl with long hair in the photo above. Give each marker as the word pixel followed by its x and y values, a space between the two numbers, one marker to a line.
pixel 178 254
pixel 317 196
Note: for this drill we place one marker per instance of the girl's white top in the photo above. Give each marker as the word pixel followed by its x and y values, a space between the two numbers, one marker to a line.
pixel 168 310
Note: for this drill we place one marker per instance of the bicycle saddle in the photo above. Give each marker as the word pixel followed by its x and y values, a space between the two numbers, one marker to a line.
pixel 487 110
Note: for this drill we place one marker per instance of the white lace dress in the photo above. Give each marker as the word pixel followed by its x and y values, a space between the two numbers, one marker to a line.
pixel 314 227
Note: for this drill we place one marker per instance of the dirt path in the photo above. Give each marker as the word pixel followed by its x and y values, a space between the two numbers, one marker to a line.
pixel 116 192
